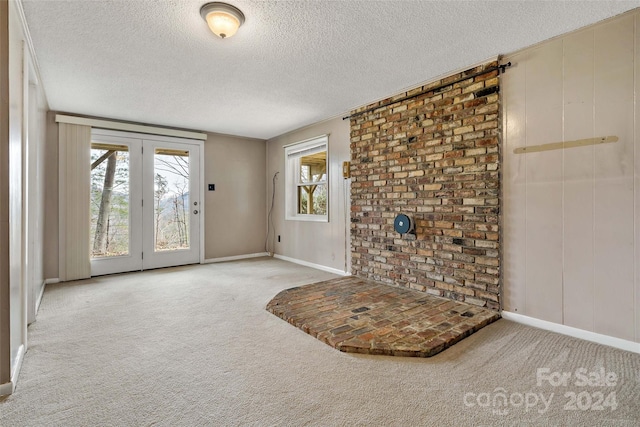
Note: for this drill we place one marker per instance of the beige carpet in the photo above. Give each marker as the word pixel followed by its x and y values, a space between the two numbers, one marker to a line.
pixel 194 346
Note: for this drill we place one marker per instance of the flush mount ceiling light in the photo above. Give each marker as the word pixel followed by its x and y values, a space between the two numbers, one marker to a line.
pixel 222 18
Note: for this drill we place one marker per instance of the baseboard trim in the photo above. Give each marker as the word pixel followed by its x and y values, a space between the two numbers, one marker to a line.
pixel 51 281
pixel 235 258
pixel 6 388
pixel 17 366
pixel 10 387
pixel 39 299
pixel 631 346
pixel 312 265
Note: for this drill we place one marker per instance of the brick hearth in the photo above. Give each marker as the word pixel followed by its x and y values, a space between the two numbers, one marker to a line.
pixel 361 316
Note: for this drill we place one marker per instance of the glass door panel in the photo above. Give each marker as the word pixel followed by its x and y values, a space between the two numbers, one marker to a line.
pixel 110 200
pixel 115 204
pixel 171 199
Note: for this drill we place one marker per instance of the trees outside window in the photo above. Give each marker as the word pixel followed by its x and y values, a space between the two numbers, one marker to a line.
pixel 110 201
pixel 307 194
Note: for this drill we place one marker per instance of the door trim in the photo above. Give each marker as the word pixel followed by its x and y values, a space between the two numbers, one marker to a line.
pixel 202 201
pixel 128 127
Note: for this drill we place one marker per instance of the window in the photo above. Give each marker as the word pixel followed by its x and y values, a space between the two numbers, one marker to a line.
pixel 307 190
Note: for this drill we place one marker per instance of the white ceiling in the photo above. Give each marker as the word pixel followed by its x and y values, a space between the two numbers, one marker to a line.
pixel 291 64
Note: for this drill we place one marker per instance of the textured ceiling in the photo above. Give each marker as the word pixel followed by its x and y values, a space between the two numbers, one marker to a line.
pixel 291 64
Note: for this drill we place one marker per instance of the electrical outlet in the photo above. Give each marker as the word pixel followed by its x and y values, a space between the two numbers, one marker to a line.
pixel 278 238
pixel 212 187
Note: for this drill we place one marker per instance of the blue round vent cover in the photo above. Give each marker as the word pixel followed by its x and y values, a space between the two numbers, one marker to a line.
pixel 403 224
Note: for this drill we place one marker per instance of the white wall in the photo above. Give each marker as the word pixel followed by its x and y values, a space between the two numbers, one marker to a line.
pixel 51 226
pixel 33 190
pixel 571 216
pixel 321 243
pixel 5 325
pixel 21 153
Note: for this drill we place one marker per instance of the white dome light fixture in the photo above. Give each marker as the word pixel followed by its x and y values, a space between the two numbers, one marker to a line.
pixel 222 18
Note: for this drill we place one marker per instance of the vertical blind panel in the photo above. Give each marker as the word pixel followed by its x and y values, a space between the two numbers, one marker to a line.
pixel 75 159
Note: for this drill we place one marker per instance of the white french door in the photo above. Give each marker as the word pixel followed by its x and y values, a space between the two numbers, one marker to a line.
pixel 145 202
pixel 171 208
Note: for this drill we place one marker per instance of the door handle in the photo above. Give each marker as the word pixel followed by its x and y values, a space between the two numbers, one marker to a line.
pixel 195 211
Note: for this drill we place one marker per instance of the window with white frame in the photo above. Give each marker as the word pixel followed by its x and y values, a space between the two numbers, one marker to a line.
pixel 307 189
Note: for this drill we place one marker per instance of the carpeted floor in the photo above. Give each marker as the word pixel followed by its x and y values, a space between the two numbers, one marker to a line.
pixel 194 346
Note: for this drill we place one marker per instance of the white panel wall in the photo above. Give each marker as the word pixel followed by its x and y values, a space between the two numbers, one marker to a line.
pixel 571 216
pixel 613 180
pixel 543 178
pixel 16 92
pixel 636 184
pixel 578 219
pixel 22 109
pixel 35 196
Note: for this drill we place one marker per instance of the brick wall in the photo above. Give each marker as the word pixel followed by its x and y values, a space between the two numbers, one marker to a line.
pixel 436 158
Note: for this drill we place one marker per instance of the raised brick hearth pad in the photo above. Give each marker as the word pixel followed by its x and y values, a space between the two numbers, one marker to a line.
pixel 360 316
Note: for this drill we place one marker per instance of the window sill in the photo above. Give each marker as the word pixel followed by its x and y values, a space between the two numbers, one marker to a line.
pixel 307 218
